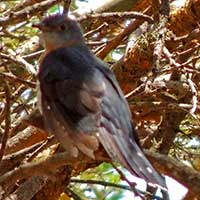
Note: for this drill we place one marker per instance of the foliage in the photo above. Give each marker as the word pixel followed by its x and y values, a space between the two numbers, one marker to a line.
pixel 156 61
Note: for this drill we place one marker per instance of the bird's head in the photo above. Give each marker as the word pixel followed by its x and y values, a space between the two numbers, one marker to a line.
pixel 59 31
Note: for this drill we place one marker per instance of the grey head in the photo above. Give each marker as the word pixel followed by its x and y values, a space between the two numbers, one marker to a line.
pixel 59 31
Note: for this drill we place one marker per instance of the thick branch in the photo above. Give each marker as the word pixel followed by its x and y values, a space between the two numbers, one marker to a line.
pixel 182 173
pixel 44 167
pixel 169 166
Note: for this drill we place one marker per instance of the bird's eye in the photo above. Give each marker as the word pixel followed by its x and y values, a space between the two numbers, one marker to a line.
pixel 62 27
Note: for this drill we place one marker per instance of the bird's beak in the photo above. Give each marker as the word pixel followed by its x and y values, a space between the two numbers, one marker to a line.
pixel 40 26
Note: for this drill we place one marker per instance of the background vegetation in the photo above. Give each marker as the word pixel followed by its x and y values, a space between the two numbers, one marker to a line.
pixel 153 48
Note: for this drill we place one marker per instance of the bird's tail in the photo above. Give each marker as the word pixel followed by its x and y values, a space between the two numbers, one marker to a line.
pixel 129 154
pixel 144 168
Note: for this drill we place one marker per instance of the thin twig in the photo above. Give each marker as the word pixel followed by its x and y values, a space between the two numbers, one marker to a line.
pixel 119 15
pixel 162 17
pixel 26 13
pixel 50 141
pixel 169 57
pixel 195 34
pixel 20 6
pixel 33 55
pixel 13 160
pixel 18 59
pixel 106 184
pixel 123 177
pixel 30 68
pixel 66 6
pixel 117 40
pixel 14 78
pixel 95 30
pixel 72 194
pixel 136 91
pixel 194 58
pixel 7 120
pixel 194 96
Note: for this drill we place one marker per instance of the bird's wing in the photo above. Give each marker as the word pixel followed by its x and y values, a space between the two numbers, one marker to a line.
pixel 117 133
pixel 71 105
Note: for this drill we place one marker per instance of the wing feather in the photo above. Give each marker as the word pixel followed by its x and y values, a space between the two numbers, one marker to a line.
pixel 70 101
pixel 118 135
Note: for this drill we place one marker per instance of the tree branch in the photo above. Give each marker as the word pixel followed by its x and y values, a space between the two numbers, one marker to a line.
pixel 187 176
pixel 7 120
pixel 114 15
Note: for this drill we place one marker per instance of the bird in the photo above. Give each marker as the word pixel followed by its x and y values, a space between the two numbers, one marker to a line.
pixel 81 101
